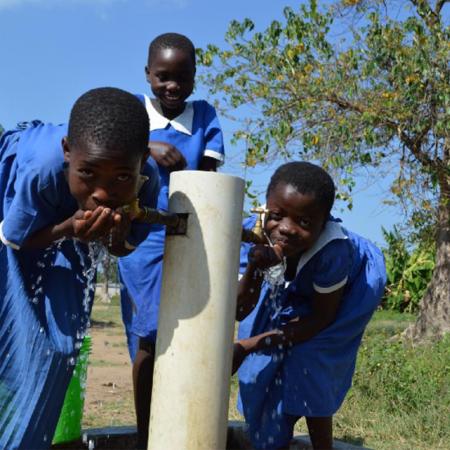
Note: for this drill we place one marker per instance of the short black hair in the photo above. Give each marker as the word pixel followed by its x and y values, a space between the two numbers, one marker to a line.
pixel 171 40
pixel 109 119
pixel 306 178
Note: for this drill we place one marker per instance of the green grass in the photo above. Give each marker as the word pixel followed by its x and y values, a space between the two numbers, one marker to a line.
pixel 400 396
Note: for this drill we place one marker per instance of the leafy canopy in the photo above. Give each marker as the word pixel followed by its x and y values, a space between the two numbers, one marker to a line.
pixel 347 87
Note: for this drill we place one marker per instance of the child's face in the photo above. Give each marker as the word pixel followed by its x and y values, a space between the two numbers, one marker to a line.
pixel 171 76
pixel 95 180
pixel 295 220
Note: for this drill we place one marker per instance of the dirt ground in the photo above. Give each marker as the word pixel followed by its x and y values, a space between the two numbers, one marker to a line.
pixel 109 392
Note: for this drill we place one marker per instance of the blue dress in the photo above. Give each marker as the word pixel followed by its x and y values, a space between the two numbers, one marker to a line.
pixel 195 133
pixel 311 378
pixel 45 295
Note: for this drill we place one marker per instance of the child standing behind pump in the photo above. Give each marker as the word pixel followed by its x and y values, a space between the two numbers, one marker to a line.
pixel 299 337
pixel 183 135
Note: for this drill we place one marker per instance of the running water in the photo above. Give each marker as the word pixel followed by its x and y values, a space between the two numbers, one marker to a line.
pixel 89 263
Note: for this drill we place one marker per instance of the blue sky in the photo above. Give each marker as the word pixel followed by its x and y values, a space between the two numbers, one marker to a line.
pixel 54 50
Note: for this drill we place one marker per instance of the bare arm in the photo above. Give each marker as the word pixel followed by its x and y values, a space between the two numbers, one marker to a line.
pixel 208 164
pixel 83 225
pixel 325 308
pixel 260 257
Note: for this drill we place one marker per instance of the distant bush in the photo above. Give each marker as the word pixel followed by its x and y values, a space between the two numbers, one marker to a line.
pixel 408 272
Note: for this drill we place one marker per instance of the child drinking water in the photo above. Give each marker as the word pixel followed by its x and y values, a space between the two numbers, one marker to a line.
pixel 184 135
pixel 61 188
pixel 299 336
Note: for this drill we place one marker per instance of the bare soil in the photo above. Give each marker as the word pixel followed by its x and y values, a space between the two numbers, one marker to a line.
pixel 109 392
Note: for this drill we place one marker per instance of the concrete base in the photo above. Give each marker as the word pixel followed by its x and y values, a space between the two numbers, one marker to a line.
pixel 124 438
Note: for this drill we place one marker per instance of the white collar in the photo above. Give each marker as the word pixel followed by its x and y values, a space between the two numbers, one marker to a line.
pixel 333 230
pixel 181 123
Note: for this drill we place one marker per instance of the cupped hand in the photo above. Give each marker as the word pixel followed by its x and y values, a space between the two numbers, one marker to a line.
pixel 92 225
pixel 263 256
pixel 167 156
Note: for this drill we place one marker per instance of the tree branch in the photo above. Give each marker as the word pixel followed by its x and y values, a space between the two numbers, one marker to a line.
pixel 425 11
pixel 439 5
pixel 413 144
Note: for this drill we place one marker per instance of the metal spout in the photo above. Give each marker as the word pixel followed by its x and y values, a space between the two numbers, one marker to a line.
pixel 256 234
pixel 176 223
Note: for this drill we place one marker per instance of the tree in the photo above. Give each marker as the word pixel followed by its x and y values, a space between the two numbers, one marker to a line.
pixel 375 93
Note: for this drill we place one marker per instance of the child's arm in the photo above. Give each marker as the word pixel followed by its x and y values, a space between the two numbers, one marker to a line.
pixel 325 308
pixel 208 164
pixel 83 225
pixel 260 257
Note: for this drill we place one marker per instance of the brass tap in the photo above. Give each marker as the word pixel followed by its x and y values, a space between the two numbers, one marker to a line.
pixel 176 222
pixel 256 234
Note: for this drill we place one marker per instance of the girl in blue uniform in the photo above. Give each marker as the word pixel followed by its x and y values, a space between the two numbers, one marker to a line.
pixel 299 336
pixel 184 135
pixel 61 188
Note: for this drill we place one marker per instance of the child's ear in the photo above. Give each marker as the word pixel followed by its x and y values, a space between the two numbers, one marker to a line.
pixel 144 158
pixel 66 149
pixel 147 74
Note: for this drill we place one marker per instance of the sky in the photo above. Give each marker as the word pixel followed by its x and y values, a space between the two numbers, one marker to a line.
pixel 52 51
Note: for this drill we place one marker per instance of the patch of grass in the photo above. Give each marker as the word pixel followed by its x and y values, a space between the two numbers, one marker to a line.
pixel 106 314
pixel 400 396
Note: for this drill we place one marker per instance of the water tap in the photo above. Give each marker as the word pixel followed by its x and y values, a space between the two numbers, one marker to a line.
pixel 256 234
pixel 176 222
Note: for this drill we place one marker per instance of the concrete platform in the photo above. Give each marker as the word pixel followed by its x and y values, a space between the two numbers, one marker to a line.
pixel 124 438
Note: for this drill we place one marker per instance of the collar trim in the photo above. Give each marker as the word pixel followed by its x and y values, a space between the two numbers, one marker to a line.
pixel 332 231
pixel 181 123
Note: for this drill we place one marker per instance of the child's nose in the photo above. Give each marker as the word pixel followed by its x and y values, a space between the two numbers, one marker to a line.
pixel 101 196
pixel 173 86
pixel 286 227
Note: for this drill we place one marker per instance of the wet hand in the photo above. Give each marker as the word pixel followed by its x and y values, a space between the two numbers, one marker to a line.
pixel 167 156
pixel 121 228
pixel 263 256
pixel 92 225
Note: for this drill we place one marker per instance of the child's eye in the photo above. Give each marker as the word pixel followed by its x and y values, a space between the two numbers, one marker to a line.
pixel 124 178
pixel 86 173
pixel 274 216
pixel 304 223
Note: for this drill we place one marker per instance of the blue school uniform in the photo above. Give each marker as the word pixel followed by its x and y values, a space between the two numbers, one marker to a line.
pixel 311 378
pixel 196 133
pixel 45 295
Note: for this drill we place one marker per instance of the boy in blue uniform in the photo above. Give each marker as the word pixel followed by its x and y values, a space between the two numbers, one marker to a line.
pixel 298 338
pixel 184 135
pixel 61 188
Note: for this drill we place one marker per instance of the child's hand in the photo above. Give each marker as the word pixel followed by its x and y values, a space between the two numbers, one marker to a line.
pixel 92 225
pixel 263 256
pixel 121 228
pixel 166 155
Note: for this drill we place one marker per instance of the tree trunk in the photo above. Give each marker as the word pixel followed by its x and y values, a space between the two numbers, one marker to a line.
pixel 433 320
